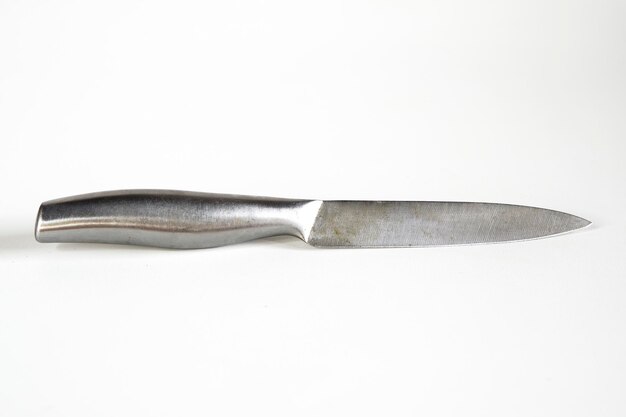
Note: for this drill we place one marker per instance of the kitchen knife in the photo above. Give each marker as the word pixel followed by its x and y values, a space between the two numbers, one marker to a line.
pixel 186 220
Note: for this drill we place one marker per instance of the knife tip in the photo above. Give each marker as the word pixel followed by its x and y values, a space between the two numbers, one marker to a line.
pixel 577 223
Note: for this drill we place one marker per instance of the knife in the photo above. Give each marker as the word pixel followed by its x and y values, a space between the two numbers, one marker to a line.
pixel 188 220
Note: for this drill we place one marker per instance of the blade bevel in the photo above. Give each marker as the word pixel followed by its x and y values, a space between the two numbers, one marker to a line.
pixel 421 224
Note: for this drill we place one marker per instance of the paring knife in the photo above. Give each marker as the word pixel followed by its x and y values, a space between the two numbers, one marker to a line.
pixel 186 220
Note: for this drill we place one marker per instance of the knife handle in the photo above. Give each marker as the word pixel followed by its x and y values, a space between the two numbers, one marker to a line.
pixel 171 219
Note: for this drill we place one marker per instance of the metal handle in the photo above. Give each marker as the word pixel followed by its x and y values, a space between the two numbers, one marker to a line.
pixel 171 219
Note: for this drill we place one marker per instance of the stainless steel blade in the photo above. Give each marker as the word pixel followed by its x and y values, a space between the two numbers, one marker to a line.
pixel 418 224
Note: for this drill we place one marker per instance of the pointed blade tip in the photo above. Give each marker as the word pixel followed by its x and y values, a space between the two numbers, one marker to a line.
pixel 582 223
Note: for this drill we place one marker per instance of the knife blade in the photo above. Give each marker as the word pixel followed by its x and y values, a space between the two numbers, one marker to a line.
pixel 187 220
pixel 421 224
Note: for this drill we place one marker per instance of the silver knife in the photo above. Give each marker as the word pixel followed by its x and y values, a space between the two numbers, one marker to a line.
pixel 187 220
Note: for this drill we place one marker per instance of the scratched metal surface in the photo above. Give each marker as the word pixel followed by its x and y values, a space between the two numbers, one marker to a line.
pixel 415 224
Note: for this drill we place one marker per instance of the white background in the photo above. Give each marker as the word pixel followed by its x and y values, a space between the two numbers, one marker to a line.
pixel 515 102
